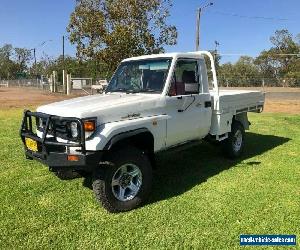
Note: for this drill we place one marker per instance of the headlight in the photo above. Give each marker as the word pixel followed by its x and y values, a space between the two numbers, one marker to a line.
pixel 40 122
pixel 74 129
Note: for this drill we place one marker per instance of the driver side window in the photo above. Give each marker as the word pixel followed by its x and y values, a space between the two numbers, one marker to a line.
pixel 185 78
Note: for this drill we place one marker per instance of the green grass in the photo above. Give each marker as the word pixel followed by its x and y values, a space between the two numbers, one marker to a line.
pixel 199 199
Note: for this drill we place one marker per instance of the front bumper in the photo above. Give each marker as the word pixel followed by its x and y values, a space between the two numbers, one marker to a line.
pixel 59 161
pixel 53 153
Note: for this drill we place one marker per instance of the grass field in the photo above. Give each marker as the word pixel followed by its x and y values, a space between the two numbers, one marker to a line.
pixel 199 199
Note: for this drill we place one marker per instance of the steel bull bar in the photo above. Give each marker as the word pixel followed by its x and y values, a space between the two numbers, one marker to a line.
pixel 52 152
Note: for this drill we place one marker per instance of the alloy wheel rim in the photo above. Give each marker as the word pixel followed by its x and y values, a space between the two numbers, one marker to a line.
pixel 237 140
pixel 126 182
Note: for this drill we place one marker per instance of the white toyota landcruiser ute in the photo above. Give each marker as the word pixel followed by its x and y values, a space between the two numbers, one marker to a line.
pixel 152 103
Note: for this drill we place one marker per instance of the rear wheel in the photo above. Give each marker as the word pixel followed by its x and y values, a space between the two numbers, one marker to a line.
pixel 234 144
pixel 125 182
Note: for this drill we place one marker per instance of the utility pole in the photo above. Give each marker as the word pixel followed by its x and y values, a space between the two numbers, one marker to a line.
pixel 34 57
pixel 199 11
pixel 63 51
pixel 198 29
pixel 64 72
pixel 35 71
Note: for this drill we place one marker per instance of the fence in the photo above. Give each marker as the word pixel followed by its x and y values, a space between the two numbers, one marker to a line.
pixel 258 82
pixel 88 87
pixel 30 83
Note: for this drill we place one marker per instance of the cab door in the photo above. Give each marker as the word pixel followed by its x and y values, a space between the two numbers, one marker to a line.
pixel 188 108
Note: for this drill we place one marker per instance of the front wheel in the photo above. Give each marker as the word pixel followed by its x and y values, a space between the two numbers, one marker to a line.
pixel 233 146
pixel 124 183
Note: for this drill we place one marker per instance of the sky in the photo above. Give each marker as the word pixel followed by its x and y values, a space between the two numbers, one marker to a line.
pixel 239 26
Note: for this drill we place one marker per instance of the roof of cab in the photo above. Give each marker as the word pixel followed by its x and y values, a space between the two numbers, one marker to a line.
pixel 165 55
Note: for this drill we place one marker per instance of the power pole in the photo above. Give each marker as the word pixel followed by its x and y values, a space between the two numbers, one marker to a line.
pixel 199 11
pixel 34 57
pixel 35 71
pixel 198 29
pixel 64 72
pixel 63 51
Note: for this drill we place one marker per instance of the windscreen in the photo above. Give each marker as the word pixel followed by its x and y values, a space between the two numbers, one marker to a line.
pixel 140 76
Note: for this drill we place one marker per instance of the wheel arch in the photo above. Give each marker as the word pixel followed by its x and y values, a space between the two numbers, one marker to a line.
pixel 141 138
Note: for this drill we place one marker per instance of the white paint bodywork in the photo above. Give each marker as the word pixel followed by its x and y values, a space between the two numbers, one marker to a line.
pixel 120 112
pixel 233 103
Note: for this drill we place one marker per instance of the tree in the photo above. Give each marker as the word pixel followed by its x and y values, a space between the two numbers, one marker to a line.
pixel 280 61
pixel 8 67
pixel 243 73
pixel 111 30
pixel 71 65
pixel 268 67
pixel 247 72
pixel 284 44
pixel 6 52
pixel 43 66
pixel 22 58
pixel 225 75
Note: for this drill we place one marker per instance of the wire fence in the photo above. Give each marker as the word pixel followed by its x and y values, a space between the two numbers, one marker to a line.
pixel 25 83
pixel 86 86
pixel 258 82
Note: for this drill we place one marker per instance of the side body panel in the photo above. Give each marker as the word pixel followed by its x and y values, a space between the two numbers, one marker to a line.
pixel 154 124
pixel 189 119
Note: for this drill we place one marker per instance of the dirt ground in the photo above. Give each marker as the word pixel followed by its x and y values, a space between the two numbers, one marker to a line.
pixel 24 97
pixel 279 100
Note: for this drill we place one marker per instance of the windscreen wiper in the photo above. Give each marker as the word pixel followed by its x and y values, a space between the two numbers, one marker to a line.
pixel 132 91
pixel 118 90
pixel 149 90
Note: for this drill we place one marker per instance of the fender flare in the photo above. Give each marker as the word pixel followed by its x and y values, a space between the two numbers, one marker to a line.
pixel 121 136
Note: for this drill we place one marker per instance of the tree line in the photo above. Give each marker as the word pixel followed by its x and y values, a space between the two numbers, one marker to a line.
pixel 105 32
pixel 13 61
pixel 278 66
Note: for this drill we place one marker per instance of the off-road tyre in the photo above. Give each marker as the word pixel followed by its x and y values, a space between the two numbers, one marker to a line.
pixel 234 145
pixel 103 176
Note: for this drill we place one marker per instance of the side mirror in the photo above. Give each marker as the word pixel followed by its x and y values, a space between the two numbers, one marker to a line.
pixel 191 88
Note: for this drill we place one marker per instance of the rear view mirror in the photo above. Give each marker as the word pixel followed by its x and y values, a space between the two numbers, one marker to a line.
pixel 191 88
